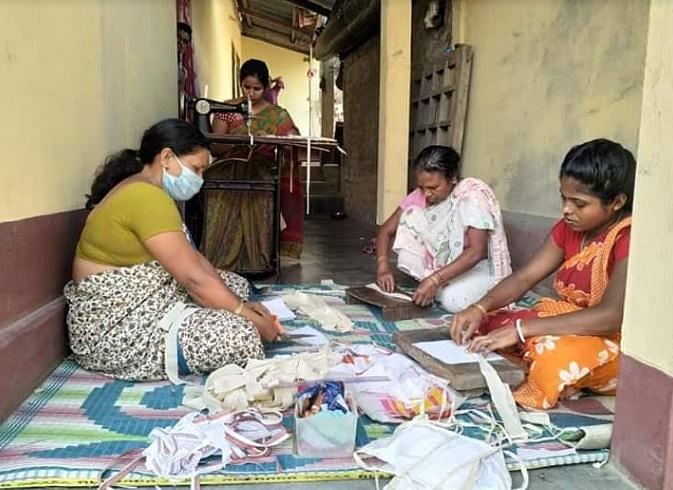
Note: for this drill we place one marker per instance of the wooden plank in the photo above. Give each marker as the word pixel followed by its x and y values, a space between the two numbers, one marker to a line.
pixel 392 309
pixel 463 377
pixel 460 95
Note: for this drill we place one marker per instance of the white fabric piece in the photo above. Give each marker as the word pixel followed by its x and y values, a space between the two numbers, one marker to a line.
pixel 170 323
pixel 315 307
pixel 408 383
pixel 400 296
pixel 594 437
pixel 425 456
pixel 233 388
pixel 503 401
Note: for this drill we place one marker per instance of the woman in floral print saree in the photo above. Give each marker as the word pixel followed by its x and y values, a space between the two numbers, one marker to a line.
pixel 570 343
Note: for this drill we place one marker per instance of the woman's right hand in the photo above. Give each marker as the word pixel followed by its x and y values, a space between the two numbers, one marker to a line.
pixel 385 278
pixel 260 317
pixel 465 324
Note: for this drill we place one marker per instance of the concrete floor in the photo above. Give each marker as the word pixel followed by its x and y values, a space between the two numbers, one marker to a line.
pixel 332 251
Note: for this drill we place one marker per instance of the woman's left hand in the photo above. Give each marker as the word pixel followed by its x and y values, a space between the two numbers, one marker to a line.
pixel 425 292
pixel 498 339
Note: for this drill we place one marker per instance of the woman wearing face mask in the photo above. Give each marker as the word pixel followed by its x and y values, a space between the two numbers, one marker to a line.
pixel 238 229
pixel 448 234
pixel 570 343
pixel 134 264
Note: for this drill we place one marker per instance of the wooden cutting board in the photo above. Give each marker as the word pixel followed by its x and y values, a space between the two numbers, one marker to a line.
pixel 392 309
pixel 462 377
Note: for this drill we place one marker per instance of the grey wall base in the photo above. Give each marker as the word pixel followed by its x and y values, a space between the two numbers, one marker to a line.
pixel 525 234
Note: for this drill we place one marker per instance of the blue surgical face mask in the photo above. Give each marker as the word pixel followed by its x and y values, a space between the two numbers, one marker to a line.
pixel 184 186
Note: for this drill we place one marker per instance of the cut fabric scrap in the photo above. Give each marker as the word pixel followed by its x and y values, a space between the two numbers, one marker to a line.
pixel 409 392
pixel 503 401
pixel 316 308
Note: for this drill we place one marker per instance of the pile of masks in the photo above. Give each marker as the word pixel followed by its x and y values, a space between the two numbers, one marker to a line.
pixel 264 382
pixel 409 391
pixel 199 444
pixel 423 455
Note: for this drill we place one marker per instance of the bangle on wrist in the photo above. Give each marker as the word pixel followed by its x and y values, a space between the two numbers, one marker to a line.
pixel 381 258
pixel 435 279
pixel 480 308
pixel 239 308
pixel 518 324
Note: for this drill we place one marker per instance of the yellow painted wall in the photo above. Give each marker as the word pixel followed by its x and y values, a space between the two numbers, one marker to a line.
pixel 547 74
pixel 648 325
pixel 215 28
pixel 78 79
pixel 292 66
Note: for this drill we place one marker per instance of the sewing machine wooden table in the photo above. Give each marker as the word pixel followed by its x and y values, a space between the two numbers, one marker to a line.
pixel 195 216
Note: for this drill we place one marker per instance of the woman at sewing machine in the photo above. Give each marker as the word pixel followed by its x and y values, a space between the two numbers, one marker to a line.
pixel 570 343
pixel 447 234
pixel 237 222
pixel 142 298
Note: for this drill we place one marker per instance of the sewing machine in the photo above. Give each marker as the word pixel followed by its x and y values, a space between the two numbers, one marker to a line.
pixel 195 210
pixel 201 110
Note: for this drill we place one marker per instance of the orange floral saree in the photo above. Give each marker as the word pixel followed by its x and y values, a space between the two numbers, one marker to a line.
pixel 559 366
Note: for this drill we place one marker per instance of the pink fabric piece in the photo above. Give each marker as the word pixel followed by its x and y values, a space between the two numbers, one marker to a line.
pixel 415 198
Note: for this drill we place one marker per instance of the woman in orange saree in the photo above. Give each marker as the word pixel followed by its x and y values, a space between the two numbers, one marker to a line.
pixel 570 343
pixel 238 225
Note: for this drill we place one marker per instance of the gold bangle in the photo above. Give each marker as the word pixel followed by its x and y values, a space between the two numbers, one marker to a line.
pixel 239 308
pixel 436 280
pixel 381 258
pixel 480 308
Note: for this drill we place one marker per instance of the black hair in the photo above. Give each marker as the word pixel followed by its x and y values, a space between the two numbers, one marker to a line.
pixel 255 68
pixel 605 167
pixel 178 135
pixel 438 158
pixel 186 28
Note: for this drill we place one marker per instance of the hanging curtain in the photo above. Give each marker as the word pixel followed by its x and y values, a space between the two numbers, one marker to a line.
pixel 188 62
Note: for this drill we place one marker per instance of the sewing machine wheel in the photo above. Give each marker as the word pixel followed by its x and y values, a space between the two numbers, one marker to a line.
pixel 202 106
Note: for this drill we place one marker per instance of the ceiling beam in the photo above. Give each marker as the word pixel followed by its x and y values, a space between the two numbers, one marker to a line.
pixel 274 22
pixel 275 39
pixel 244 6
pixel 312 6
pixel 294 22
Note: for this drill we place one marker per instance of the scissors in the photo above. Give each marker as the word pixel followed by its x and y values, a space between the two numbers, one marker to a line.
pixel 288 337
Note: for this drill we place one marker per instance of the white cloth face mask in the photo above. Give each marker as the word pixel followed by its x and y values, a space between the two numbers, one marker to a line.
pixel 424 456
